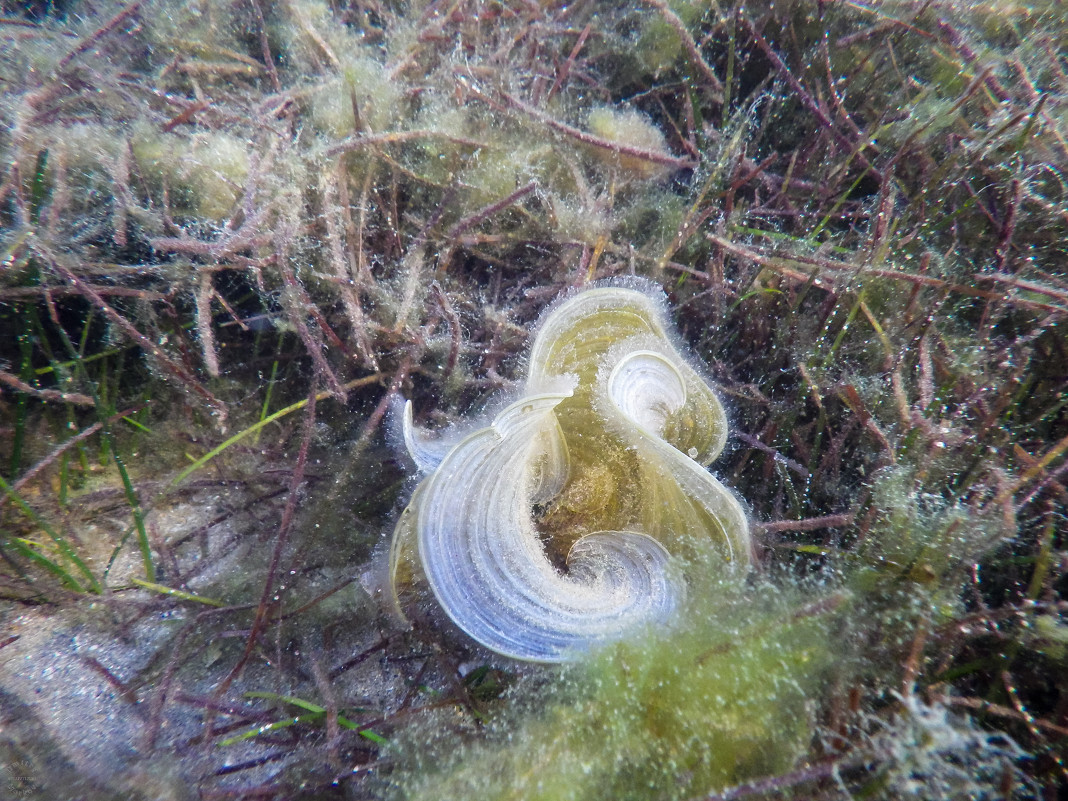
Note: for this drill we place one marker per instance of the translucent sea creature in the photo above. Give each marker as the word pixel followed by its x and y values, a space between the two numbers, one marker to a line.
pixel 552 527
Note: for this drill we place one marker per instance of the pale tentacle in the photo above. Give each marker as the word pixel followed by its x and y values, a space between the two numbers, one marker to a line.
pixel 426 451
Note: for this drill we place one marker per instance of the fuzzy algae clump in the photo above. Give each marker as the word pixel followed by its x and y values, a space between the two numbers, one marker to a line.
pixel 611 437
pixel 629 128
pixel 722 697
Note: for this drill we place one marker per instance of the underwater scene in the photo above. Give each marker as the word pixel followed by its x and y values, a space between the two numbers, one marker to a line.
pixel 528 399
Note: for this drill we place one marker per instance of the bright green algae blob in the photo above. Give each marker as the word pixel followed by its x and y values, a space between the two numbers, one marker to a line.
pixel 724 696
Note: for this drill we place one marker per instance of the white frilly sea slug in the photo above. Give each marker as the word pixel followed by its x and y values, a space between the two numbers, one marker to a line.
pixel 551 528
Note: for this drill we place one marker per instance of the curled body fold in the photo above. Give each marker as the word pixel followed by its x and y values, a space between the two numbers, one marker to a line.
pixel 610 440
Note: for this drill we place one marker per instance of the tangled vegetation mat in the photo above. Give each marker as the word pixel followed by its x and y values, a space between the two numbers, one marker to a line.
pixel 235 233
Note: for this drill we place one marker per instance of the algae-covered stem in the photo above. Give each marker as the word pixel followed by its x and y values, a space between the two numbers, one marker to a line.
pixel 777 262
pixel 281 539
pixel 711 80
pixel 623 149
pixel 187 380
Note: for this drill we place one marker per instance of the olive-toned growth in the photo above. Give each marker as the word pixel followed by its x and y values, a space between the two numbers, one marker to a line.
pixel 721 697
